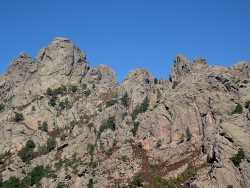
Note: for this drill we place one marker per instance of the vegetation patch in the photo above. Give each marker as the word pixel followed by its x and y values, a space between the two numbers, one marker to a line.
pixel 137 181
pixel 87 92
pixel 125 100
pixel 43 126
pixel 48 147
pixel 18 117
pixel 238 157
pixel 31 179
pixel 73 88
pixel 158 143
pixel 58 91
pixel 2 107
pixel 26 153
pixel 188 134
pixel 72 163
pixel 247 105
pixel 140 108
pixel 4 157
pixel 107 124
pixel 111 102
pixel 135 128
pixel 238 109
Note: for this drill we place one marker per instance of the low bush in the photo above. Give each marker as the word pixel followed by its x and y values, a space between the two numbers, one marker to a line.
pixel 124 158
pixel 18 117
pixel 137 181
pixel 140 108
pixel 238 109
pixel 73 88
pixel 31 179
pixel 135 128
pixel 2 107
pixel 51 144
pixel 158 143
pixel 87 92
pixel 125 100
pixel 52 101
pixel 238 157
pixel 58 91
pixel 62 105
pixel 61 185
pixel 111 102
pixel 188 134
pixel 43 127
pixel 107 124
pixel 247 105
pixel 91 183
pixel 26 153
pixel 91 149
pixel 3 157
pixel 48 147
pixel 179 181
pixel 12 182
pixel 72 163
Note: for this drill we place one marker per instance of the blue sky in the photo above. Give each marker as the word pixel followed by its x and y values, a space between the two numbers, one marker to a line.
pixel 126 34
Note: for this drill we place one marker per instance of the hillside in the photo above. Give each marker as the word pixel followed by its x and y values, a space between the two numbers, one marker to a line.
pixel 66 124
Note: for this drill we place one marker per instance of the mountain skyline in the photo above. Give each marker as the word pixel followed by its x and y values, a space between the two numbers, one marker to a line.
pixel 131 34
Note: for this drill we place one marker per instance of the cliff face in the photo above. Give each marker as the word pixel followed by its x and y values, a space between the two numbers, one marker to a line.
pixel 64 123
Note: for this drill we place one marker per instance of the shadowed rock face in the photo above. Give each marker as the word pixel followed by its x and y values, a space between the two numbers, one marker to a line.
pixel 57 111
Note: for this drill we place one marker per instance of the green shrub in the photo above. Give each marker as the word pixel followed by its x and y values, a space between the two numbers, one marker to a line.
pixel 2 107
pixel 73 88
pixel 238 109
pixel 37 174
pixel 51 144
pixel 107 124
pixel 111 102
pixel 18 117
pixel 84 86
pixel 91 149
pixel 61 185
pixel 158 181
pixel 52 101
pixel 158 143
pixel 62 105
pixel 229 186
pixel 12 182
pixel 26 153
pixel 32 178
pixel 125 100
pixel 124 158
pixel 44 126
pixel 72 163
pixel 87 92
pixel 58 91
pixel 156 81
pixel 49 92
pixel 33 108
pixel 3 157
pixel 140 108
pixel 135 128
pixel 188 134
pixel 247 104
pixel 137 181
pixel 237 158
pixel 91 183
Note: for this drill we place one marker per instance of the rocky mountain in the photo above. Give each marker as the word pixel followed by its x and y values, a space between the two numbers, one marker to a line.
pixel 65 124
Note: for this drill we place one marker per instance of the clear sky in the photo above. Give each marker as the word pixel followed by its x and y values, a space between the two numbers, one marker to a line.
pixel 126 34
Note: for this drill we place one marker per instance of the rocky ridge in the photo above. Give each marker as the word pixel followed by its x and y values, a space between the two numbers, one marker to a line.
pixel 66 124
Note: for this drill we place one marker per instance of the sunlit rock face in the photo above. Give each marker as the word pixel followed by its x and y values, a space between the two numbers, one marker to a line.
pixel 67 124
